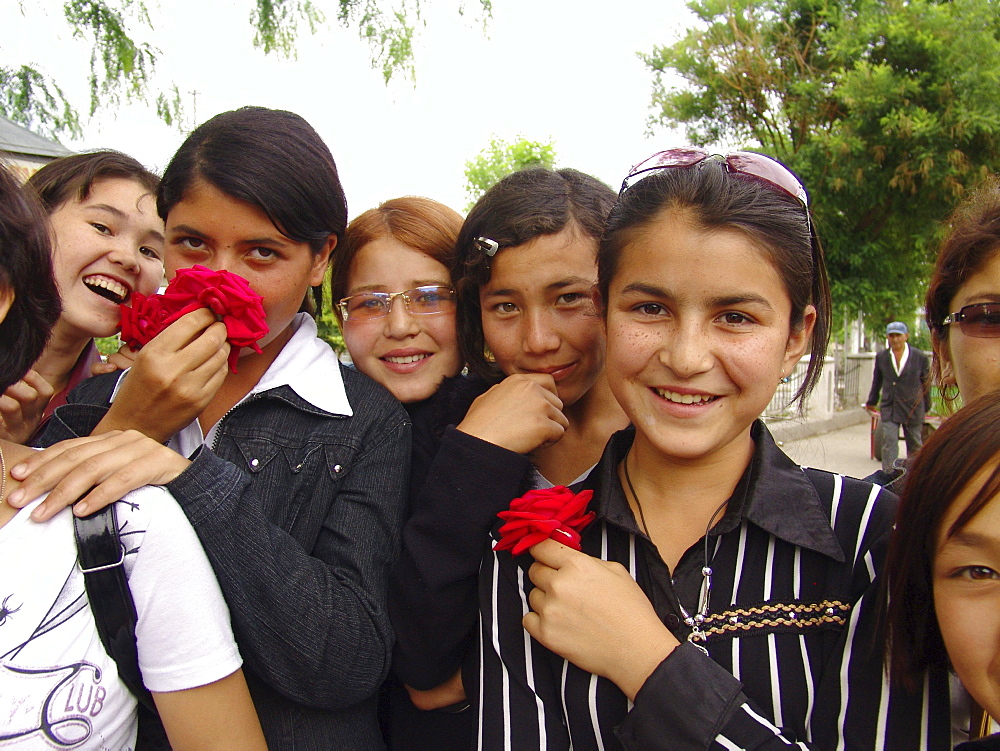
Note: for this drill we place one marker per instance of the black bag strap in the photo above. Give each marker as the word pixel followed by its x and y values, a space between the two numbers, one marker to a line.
pixel 102 561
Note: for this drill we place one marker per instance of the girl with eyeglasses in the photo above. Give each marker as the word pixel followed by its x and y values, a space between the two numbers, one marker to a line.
pixel 291 470
pixel 963 300
pixel 942 572
pixel 723 595
pixel 534 411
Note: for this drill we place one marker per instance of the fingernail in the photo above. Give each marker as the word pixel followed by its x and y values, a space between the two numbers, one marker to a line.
pixel 81 509
pixel 14 499
pixel 18 471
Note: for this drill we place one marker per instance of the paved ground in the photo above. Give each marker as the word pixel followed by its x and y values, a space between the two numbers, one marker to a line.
pixel 846 451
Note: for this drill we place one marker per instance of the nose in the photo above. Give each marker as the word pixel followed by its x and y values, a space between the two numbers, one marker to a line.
pixel 686 349
pixel 399 321
pixel 125 254
pixel 539 335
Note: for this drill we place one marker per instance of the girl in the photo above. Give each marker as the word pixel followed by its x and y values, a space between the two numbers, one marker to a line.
pixel 297 465
pixel 108 243
pixel 943 566
pixel 393 298
pixel 713 286
pixel 524 272
pixel 963 300
pixel 61 688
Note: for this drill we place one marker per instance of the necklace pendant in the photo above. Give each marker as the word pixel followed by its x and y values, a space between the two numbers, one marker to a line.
pixel 697 636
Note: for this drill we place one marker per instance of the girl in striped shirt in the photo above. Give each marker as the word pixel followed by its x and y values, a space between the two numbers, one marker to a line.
pixel 723 597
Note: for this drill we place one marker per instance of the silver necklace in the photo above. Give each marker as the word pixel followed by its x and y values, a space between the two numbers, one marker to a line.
pixel 694 622
pixel 3 477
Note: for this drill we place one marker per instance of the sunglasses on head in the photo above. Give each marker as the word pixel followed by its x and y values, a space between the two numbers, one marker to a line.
pixel 746 163
pixel 981 320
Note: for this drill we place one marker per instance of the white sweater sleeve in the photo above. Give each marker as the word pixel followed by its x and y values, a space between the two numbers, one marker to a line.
pixel 183 633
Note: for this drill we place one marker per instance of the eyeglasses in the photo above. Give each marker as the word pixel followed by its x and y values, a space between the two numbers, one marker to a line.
pixel 421 301
pixel 755 166
pixel 981 320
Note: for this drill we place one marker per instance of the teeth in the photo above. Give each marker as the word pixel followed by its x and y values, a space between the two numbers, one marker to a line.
pixel 685 398
pixel 109 288
pixel 405 360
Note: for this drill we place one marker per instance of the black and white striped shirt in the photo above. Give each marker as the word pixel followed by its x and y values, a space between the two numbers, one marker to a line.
pixel 795 659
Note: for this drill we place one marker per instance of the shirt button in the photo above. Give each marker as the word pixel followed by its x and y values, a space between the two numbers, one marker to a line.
pixel 673 621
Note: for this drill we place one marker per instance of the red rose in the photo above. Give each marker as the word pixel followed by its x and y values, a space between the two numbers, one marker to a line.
pixel 537 515
pixel 227 295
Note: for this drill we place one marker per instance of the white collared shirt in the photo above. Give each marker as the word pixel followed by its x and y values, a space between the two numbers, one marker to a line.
pixel 898 367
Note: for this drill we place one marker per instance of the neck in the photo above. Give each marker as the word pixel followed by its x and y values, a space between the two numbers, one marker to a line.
pixel 60 356
pixel 237 385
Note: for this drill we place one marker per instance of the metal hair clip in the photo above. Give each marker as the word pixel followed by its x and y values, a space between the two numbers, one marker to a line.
pixel 488 246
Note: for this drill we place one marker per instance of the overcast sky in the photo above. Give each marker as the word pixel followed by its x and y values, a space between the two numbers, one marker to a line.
pixel 564 70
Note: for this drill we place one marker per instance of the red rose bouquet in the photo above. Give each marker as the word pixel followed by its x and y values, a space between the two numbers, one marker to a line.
pixel 537 515
pixel 227 295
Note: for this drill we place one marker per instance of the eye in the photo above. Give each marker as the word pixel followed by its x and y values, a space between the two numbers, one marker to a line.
pixel 977 573
pixel 569 298
pixel 103 229
pixel 505 308
pixel 734 318
pixel 262 254
pixel 191 243
pixel 650 309
pixel 151 253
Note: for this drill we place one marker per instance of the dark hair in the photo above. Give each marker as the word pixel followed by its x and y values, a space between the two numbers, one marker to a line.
pixel 26 270
pixel 951 458
pixel 419 223
pixel 73 176
pixel 271 159
pixel 716 198
pixel 974 239
pixel 522 206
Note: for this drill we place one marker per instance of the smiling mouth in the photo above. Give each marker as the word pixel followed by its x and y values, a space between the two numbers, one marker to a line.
pixel 673 396
pixel 407 359
pixel 109 289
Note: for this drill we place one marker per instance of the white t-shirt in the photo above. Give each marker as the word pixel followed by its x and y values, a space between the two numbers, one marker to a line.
pixel 58 686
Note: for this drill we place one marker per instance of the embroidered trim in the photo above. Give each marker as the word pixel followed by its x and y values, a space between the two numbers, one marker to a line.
pixel 794 615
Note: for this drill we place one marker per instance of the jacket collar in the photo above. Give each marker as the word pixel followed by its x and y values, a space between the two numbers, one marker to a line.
pixel 773 494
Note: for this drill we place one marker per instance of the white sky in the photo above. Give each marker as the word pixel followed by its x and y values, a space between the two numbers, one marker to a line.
pixel 564 70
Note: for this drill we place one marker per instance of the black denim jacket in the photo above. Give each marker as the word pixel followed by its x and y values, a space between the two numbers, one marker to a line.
pixel 299 511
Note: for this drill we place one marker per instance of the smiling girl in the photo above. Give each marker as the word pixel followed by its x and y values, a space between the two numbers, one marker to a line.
pixel 721 598
pixel 943 566
pixel 107 244
pixel 292 471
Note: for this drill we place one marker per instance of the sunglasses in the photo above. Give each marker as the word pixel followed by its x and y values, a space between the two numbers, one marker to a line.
pixel 981 320
pixel 421 301
pixel 746 163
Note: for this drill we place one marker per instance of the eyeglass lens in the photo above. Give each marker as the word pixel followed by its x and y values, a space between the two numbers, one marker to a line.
pixel 979 320
pixel 419 301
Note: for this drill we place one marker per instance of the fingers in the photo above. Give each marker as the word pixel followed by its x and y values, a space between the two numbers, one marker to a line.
pixel 554 554
pixel 22 406
pixel 536 409
pixel 120 360
pixel 98 470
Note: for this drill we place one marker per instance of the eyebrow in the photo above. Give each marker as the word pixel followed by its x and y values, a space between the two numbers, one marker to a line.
pixel 722 301
pixel 185 229
pixel 557 285
pixel 968 539
pixel 982 297
pixel 119 214
pixel 413 285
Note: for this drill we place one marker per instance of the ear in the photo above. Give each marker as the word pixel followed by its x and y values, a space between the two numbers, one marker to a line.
pixel 320 261
pixel 798 340
pixel 943 355
pixel 6 300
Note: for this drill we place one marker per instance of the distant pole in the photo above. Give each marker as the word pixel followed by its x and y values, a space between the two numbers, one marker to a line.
pixel 194 107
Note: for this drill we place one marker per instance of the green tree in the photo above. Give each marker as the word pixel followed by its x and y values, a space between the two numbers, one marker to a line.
pixel 885 108
pixel 499 159
pixel 121 65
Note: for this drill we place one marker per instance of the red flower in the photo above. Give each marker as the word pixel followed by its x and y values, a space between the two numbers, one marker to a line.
pixel 227 295
pixel 537 515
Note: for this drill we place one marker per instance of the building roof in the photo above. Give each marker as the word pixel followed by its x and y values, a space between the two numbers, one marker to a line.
pixel 17 139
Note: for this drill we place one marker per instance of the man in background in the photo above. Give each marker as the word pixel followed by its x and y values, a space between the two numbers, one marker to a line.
pixel 900 374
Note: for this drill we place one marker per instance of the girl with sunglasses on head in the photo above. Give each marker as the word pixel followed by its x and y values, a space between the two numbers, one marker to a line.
pixel 942 572
pixel 61 687
pixel 524 270
pixel 722 596
pixel 107 244
pixel 963 299
pixel 291 470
